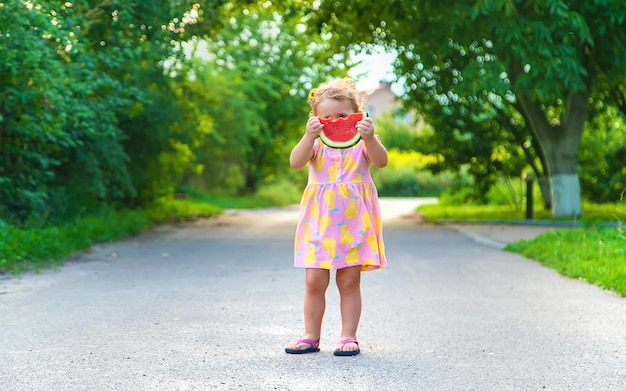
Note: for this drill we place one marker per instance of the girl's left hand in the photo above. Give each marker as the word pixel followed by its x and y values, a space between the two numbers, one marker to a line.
pixel 366 128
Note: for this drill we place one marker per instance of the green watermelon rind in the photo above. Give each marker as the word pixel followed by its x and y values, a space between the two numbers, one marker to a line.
pixel 344 144
pixel 340 145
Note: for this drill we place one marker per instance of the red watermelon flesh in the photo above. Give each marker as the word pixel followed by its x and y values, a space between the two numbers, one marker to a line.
pixel 342 132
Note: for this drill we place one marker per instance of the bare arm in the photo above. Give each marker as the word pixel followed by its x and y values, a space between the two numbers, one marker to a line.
pixel 302 153
pixel 376 152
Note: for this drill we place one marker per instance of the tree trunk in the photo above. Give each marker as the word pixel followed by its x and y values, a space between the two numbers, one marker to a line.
pixel 559 144
pixel 566 195
pixel 562 156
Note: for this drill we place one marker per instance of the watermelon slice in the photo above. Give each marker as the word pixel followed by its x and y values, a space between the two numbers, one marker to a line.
pixel 342 132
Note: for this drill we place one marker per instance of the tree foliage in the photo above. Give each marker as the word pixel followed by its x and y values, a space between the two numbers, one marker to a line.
pixel 498 72
pixel 73 74
pixel 602 157
pixel 101 102
pixel 57 113
pixel 260 66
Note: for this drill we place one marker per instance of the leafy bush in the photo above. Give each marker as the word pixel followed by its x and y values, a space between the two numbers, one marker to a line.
pixel 609 212
pixel 601 157
pixel 398 182
pixel 280 194
pixel 460 191
pixel 59 112
pixel 405 176
pixel 394 135
pixel 507 191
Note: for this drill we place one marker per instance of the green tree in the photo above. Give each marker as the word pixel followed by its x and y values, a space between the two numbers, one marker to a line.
pixel 257 71
pixel 91 112
pixel 545 59
pixel 56 116
pixel 161 127
pixel 29 129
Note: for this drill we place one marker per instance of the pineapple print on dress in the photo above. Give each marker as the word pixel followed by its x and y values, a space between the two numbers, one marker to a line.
pixel 368 194
pixel 315 210
pixel 373 243
pixel 352 257
pixel 330 245
pixel 325 222
pixel 329 197
pixel 333 172
pixel 311 258
pixel 366 222
pixel 328 265
pixel 352 211
pixel 318 164
pixel 344 191
pixel 308 237
pixel 345 237
pixel 349 163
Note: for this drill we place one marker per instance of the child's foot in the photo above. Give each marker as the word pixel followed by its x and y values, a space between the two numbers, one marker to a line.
pixel 304 345
pixel 347 347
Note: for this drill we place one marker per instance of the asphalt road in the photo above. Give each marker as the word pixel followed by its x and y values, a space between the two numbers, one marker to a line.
pixel 210 305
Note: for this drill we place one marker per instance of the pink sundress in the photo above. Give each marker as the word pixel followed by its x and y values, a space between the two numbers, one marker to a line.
pixel 340 223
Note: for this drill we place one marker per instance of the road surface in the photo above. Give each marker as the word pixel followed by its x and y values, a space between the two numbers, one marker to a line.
pixel 210 305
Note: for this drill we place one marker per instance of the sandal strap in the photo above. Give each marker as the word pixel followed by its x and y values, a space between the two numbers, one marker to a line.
pixel 347 341
pixel 313 342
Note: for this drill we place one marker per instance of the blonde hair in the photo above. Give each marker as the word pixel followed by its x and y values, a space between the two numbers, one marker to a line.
pixel 339 89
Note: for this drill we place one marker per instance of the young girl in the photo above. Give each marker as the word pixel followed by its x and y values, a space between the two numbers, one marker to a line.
pixel 340 226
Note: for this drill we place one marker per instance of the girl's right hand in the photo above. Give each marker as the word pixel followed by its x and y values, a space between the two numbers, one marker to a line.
pixel 313 127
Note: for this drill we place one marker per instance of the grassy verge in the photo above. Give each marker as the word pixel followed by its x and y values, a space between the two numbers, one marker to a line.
pixel 592 213
pixel 230 202
pixel 591 253
pixel 267 196
pixel 437 212
pixel 595 255
pixel 38 248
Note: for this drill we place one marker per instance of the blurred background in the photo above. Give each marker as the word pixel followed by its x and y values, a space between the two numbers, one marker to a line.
pixel 115 111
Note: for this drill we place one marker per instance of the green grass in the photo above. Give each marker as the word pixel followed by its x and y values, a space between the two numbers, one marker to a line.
pixel 230 202
pixel 225 201
pixel 267 196
pixel 436 212
pixel 166 210
pixel 39 248
pixel 590 253
pixel 595 255
pixel 592 213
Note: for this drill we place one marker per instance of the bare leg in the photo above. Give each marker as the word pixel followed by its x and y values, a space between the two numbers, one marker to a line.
pixel 314 305
pixel 349 284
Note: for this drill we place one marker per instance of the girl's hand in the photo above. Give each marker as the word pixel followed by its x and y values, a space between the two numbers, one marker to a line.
pixel 366 128
pixel 313 127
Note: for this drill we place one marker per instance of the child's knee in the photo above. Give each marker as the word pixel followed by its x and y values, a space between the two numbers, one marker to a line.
pixel 349 280
pixel 317 282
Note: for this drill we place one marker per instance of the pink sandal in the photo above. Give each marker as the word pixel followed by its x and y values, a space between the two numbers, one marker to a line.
pixel 313 343
pixel 344 342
